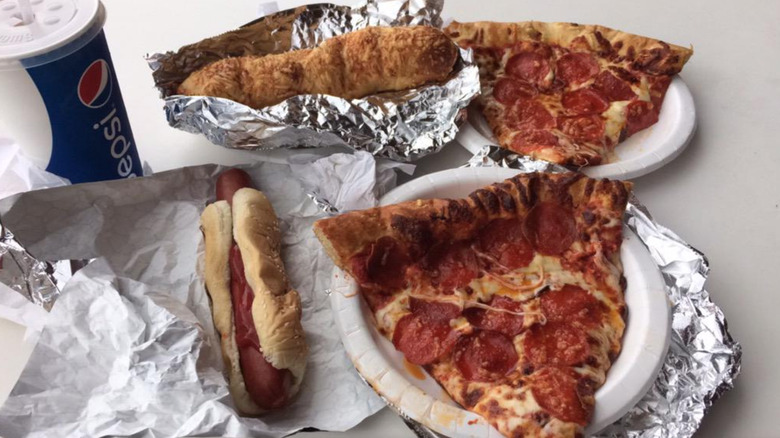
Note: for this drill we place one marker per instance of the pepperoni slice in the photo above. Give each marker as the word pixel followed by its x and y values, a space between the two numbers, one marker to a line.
pixel 640 115
pixel 587 128
pixel 530 114
pixel 507 323
pixel 384 264
pixel 572 303
pixel 375 297
pixel 556 343
pixel 504 240
pixel 532 140
pixel 451 266
pixel 421 340
pixel 612 88
pixel 508 90
pixel 485 356
pixel 556 391
pixel 583 102
pixel 550 228
pixel 577 67
pixel 531 66
pixel 434 310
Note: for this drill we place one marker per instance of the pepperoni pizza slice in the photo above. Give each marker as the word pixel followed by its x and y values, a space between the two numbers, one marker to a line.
pixel 512 299
pixel 565 92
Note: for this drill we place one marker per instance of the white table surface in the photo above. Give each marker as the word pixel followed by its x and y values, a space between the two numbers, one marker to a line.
pixel 722 195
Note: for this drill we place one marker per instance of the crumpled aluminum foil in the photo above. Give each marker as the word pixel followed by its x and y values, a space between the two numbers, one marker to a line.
pixel 703 359
pixel 403 125
pixel 32 278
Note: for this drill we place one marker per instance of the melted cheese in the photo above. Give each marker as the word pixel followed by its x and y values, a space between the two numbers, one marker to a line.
pixel 616 119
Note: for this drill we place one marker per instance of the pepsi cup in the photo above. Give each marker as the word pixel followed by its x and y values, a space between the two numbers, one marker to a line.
pixel 59 95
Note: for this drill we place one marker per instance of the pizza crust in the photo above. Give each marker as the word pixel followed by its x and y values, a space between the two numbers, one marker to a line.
pixel 439 219
pixel 646 54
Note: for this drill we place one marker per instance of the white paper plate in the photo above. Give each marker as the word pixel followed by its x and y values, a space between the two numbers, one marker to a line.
pixel 640 154
pixel 418 396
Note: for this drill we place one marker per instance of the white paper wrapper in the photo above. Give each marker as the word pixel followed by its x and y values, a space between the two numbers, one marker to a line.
pixel 18 174
pixel 130 347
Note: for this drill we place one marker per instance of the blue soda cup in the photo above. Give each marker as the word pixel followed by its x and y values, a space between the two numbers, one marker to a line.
pixel 59 95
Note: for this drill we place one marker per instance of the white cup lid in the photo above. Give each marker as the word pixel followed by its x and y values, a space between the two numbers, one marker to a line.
pixel 55 23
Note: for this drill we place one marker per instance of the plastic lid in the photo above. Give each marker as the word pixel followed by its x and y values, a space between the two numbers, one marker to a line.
pixel 55 24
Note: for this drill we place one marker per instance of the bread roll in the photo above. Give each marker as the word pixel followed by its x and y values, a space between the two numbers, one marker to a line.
pixel 353 65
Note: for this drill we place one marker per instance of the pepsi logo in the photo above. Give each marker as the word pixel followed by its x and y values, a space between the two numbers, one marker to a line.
pixel 95 84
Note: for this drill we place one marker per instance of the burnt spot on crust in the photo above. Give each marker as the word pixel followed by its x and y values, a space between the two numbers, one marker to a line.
pixel 487 200
pixel 604 44
pixel 460 211
pixel 618 192
pixel 533 190
pixel 592 361
pixel 505 198
pixel 631 53
pixel 560 186
pixel 623 282
pixel 528 369
pixel 658 60
pixel 471 398
pixel 589 185
pixel 625 75
pixel 412 229
pixel 522 193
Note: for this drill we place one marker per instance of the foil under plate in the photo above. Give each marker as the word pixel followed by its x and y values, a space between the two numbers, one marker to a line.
pixel 403 125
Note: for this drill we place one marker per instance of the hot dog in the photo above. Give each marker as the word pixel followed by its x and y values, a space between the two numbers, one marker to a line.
pixel 256 313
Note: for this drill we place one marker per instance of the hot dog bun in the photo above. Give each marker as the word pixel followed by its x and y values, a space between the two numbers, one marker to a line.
pixel 353 65
pixel 276 309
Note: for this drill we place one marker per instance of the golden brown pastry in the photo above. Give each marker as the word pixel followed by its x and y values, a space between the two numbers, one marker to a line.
pixel 351 66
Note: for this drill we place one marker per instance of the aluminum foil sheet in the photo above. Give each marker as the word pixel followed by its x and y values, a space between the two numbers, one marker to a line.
pixel 703 359
pixel 32 278
pixel 402 125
